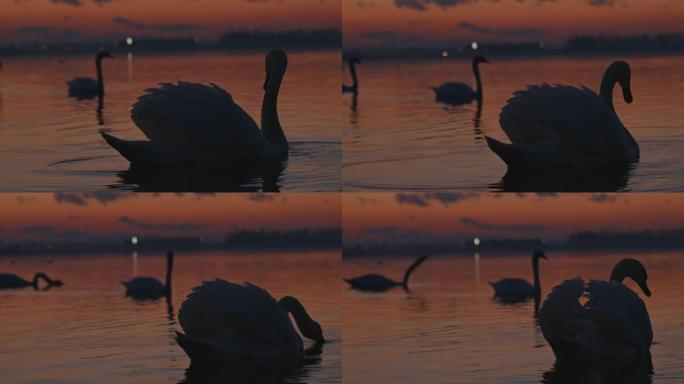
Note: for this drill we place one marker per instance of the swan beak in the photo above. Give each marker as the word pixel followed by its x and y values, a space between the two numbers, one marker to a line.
pixel 644 288
pixel 627 93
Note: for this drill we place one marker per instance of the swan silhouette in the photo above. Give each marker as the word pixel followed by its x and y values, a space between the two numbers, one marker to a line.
pixel 512 290
pixel 565 126
pixel 354 88
pixel 86 87
pixel 460 93
pixel 379 283
pixel 226 322
pixel 612 328
pixel 149 288
pixel 196 124
pixel 8 280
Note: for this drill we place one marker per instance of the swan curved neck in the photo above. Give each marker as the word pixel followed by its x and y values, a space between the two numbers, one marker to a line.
pixel 537 280
pixel 294 307
pixel 352 70
pixel 169 272
pixel 100 80
pixel 270 124
pixel 606 91
pixel 478 82
pixel 39 276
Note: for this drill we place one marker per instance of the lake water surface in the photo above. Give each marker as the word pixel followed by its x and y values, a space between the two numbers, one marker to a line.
pixel 396 137
pixel 450 330
pixel 87 331
pixel 52 143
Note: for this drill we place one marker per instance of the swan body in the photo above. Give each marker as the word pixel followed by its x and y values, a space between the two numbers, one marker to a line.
pixel 612 328
pixel 565 126
pixel 460 93
pixel 86 87
pixel 149 288
pixel 227 322
pixel 8 281
pixel 516 289
pixel 354 87
pixel 197 124
pixel 378 283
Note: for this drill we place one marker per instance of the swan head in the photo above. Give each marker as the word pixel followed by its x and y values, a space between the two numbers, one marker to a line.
pixel 477 59
pixel 102 54
pixel 276 64
pixel 633 269
pixel 539 254
pixel 621 73
pixel 313 331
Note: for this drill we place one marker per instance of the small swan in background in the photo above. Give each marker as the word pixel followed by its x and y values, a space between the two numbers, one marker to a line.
pixel 564 126
pixel 460 93
pixel 149 288
pixel 226 322
pixel 86 87
pixel 197 124
pixel 517 290
pixel 379 283
pixel 8 280
pixel 354 88
pixel 612 328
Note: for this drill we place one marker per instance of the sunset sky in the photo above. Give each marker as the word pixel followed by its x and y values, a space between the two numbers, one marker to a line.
pixel 108 215
pixel 455 216
pixel 440 22
pixel 84 20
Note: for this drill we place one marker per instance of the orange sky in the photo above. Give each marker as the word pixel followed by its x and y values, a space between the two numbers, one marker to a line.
pixel 408 22
pixel 386 216
pixel 113 214
pixel 22 20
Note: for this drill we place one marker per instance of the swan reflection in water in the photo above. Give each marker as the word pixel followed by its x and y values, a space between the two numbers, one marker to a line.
pixel 636 374
pixel 610 178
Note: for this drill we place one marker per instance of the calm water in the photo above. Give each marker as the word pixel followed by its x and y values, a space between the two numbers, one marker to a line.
pixel 449 330
pixel 51 142
pixel 87 331
pixel 398 137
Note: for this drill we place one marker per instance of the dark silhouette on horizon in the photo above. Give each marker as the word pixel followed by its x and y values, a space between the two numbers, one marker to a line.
pixel 354 87
pixel 83 88
pixel 149 288
pixel 517 290
pixel 461 93
pixel 378 283
pixel 12 281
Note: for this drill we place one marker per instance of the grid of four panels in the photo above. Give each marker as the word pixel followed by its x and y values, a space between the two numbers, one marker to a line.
pixel 495 195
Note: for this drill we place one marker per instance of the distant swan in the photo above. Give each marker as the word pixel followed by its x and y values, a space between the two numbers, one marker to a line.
pixel 196 124
pixel 86 87
pixel 564 126
pixel 378 283
pixel 460 93
pixel 515 289
pixel 226 322
pixel 612 328
pixel 354 88
pixel 8 280
pixel 148 287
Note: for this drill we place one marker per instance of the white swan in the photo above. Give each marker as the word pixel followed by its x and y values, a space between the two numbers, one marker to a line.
pixel 565 126
pixel 612 328
pixel 354 88
pixel 460 93
pixel 9 280
pixel 226 322
pixel 86 87
pixel 515 289
pixel 196 124
pixel 149 287
pixel 378 283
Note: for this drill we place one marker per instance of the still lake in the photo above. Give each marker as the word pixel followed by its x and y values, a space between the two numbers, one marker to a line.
pixel 450 330
pixel 51 142
pixel 87 331
pixel 397 137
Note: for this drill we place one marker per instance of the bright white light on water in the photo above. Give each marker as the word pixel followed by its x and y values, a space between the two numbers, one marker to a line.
pixel 473 45
pixel 134 240
pixel 445 54
pixel 129 41
pixel 476 241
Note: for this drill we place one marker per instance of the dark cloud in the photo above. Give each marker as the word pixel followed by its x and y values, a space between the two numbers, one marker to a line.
pixel 424 199
pixel 73 3
pixel 176 227
pixel 180 27
pixel 365 4
pixel 421 5
pixel 602 3
pixel 502 227
pixel 603 198
pixel 82 198
pixel 501 31
pixel 417 5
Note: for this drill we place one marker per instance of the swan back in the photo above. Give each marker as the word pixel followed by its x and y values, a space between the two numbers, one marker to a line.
pixel 9 280
pixel 372 282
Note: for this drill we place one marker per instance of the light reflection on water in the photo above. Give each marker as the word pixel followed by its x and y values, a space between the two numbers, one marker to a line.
pixel 87 331
pixel 450 330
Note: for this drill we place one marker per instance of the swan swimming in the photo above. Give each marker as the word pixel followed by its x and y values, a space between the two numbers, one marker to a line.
pixel 197 124
pixel 565 126
pixel 227 322
pixel 8 280
pixel 515 289
pixel 86 87
pixel 460 93
pixel 149 288
pixel 379 283
pixel 612 328
pixel 354 88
